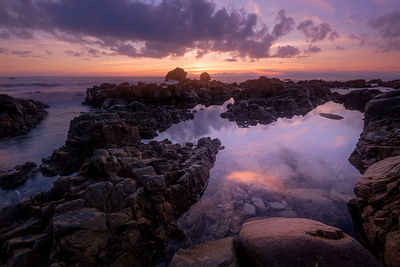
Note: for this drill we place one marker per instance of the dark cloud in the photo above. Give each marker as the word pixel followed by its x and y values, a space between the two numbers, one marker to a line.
pixel 388 27
pixel 21 53
pixel 334 35
pixel 23 34
pixel 285 25
pixel 312 49
pixel 340 47
pixel 73 53
pixel 315 33
pixel 231 60
pixel 4 35
pixel 286 51
pixel 147 29
pixel 2 50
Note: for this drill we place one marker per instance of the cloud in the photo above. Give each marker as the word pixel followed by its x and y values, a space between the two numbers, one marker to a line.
pixel 230 60
pixel 334 35
pixel 4 35
pixel 388 27
pixel 147 29
pixel 21 53
pixel 339 47
pixel 286 51
pixel 315 33
pixel 73 53
pixel 312 49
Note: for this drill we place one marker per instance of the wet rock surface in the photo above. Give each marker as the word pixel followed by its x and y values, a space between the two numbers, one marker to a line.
pixel 376 210
pixel 17 116
pixel 213 253
pixel 119 210
pixel 253 106
pixel 356 100
pixel 380 138
pixel 298 242
pixel 17 176
pixel 113 126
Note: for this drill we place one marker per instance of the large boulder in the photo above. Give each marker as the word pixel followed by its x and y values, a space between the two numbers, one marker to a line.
pixel 17 116
pixel 356 100
pixel 262 87
pixel 205 77
pixel 376 209
pixel 177 74
pixel 298 242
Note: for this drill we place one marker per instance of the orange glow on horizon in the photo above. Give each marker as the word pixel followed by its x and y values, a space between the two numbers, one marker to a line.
pixel 271 182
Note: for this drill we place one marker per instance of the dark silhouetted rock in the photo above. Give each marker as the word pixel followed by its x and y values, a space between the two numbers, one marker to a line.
pixel 260 88
pixel 298 242
pixel 380 138
pixel 177 74
pixel 17 116
pixel 356 100
pixel 17 176
pixel 376 210
pixel 110 214
pixel 205 77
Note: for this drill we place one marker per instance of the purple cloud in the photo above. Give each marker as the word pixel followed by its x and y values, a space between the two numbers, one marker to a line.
pixel 142 29
pixel 287 51
pixel 315 33
pixel 312 49
pixel 388 27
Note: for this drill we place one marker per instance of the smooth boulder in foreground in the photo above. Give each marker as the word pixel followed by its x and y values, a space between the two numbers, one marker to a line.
pixel 298 242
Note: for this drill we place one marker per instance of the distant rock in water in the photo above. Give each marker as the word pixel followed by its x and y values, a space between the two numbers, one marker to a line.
pixel 18 115
pixel 205 77
pixel 298 242
pixel 331 116
pixel 13 178
pixel 177 74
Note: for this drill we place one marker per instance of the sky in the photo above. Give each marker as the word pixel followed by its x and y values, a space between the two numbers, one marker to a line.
pixel 304 38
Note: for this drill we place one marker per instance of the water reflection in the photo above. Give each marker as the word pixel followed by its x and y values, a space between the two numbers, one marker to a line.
pixel 292 168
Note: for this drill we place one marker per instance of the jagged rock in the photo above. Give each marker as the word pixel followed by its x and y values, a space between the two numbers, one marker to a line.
pixel 17 116
pixel 108 214
pixel 281 103
pixel 205 77
pixel 177 74
pixel 380 138
pixel 220 253
pixel 298 242
pixel 376 209
pixel 260 88
pixel 356 100
pixel 17 176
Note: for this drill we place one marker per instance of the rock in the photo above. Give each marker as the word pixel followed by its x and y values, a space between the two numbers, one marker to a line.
pixel 205 77
pixel 213 253
pixel 18 115
pixel 276 206
pixel 356 100
pixel 376 209
pixel 380 138
pixel 260 206
pixel 177 74
pixel 298 242
pixel 105 215
pixel 17 176
pixel 249 210
pixel 260 88
pixel 331 116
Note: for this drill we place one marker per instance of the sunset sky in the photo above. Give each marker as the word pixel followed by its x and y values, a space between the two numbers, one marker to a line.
pixel 223 37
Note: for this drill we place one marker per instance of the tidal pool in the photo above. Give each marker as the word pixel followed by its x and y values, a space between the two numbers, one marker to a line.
pixel 291 168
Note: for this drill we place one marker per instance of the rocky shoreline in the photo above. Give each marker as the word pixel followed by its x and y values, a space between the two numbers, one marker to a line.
pixel 121 203
pixel 18 116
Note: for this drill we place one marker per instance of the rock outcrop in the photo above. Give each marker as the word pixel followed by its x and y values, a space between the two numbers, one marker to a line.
pixel 380 138
pixel 116 125
pixel 17 116
pixel 376 210
pixel 120 209
pixel 177 74
pixel 17 176
pixel 283 103
pixel 205 77
pixel 298 242
pixel 356 100
pixel 186 93
pixel 259 88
